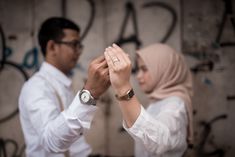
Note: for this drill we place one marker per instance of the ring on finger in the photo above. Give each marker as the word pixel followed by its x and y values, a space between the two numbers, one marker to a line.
pixel 115 60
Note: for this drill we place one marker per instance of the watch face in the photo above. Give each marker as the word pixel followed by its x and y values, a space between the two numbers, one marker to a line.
pixel 85 97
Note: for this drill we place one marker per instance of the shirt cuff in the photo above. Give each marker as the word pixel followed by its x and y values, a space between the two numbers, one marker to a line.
pixel 80 112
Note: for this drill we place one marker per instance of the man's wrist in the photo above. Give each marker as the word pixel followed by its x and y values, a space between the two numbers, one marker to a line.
pixel 86 97
pixel 92 91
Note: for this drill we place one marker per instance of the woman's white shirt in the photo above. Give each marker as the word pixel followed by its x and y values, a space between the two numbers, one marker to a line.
pixel 161 129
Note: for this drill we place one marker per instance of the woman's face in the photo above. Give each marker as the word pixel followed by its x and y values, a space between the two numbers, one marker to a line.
pixel 144 78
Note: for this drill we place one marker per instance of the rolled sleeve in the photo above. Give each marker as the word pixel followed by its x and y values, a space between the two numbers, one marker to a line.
pixel 135 128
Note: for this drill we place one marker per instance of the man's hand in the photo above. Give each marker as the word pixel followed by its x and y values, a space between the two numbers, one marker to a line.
pixel 98 77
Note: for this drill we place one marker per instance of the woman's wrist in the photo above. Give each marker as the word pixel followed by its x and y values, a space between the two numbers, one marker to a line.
pixel 120 91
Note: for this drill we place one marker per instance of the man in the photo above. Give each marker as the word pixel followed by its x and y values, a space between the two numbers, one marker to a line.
pixel 53 119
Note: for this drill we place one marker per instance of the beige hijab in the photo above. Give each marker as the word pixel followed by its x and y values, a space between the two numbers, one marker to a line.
pixel 171 77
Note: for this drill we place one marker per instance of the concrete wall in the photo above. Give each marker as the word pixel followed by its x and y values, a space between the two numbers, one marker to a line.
pixel 195 26
pixel 211 57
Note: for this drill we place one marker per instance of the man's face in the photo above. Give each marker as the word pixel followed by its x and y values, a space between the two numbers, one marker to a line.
pixel 69 50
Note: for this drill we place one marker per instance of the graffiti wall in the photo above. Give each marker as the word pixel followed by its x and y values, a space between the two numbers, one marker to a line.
pixel 208 42
pixel 202 30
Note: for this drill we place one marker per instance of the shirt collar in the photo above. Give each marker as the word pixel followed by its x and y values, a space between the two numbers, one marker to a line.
pixel 47 68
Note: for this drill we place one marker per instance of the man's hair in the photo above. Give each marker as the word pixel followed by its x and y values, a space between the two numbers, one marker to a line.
pixel 52 29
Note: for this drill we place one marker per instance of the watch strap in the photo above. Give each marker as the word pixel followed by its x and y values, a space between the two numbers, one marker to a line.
pixel 129 94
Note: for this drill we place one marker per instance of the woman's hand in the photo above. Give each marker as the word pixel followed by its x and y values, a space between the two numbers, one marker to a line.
pixel 119 66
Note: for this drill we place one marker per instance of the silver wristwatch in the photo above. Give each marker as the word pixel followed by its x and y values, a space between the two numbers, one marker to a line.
pixel 86 97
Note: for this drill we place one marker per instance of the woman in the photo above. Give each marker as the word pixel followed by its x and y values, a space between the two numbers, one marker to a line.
pixel 165 127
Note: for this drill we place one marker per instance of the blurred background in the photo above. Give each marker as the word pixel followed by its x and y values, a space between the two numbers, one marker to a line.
pixel 203 30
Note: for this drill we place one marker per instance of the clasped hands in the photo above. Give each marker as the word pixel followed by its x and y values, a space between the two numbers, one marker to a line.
pixel 113 67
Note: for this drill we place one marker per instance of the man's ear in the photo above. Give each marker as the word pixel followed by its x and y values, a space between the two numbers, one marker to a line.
pixel 51 47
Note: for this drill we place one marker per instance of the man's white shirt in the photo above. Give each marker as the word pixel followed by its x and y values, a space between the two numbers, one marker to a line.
pixel 48 131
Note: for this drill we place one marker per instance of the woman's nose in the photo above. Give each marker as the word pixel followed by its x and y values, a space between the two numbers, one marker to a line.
pixel 139 74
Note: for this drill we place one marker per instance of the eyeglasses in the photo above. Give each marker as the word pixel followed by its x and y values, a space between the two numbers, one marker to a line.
pixel 76 45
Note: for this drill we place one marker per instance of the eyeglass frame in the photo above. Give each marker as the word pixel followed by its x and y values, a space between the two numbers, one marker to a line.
pixel 75 45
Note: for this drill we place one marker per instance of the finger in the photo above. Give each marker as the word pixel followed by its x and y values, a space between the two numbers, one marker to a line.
pixel 105 74
pixel 124 55
pixel 117 47
pixel 108 59
pixel 99 62
pixel 119 55
pixel 99 59
pixel 117 59
pixel 103 64
pixel 113 54
pixel 126 58
pixel 106 71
